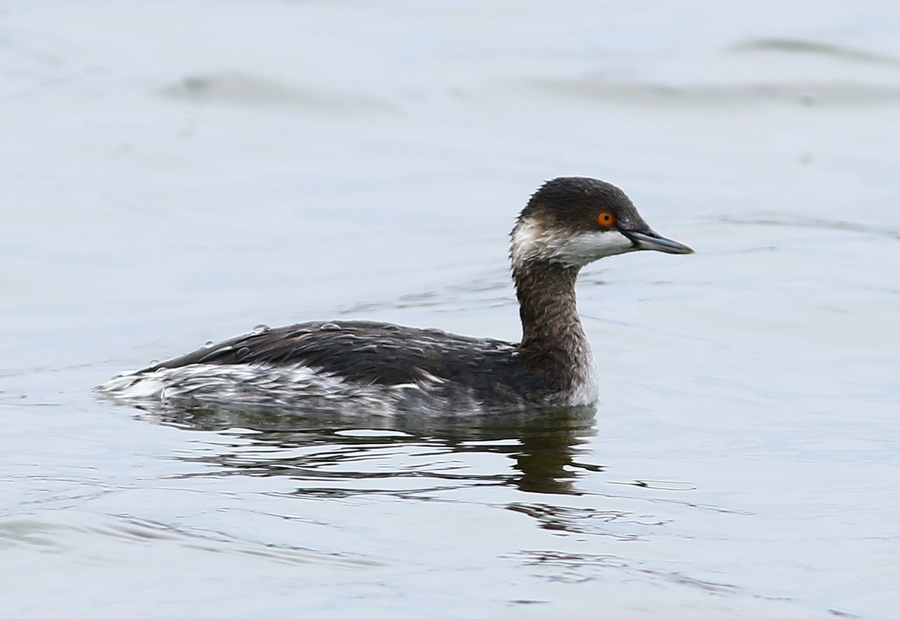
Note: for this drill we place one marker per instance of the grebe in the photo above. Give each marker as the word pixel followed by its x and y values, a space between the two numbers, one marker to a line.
pixel 356 366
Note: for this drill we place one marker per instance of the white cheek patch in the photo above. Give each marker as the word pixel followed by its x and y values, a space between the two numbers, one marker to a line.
pixel 527 241
pixel 533 241
pixel 584 248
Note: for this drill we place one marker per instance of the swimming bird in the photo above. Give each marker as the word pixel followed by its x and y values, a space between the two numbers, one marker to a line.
pixel 379 368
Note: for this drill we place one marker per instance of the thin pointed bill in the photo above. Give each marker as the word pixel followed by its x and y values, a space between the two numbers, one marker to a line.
pixel 651 240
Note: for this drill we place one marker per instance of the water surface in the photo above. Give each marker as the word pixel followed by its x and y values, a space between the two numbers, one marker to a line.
pixel 176 174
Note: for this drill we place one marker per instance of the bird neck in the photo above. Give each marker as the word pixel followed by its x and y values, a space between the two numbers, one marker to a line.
pixel 553 339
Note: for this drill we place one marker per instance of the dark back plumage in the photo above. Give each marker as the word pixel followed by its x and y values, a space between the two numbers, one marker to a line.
pixel 374 353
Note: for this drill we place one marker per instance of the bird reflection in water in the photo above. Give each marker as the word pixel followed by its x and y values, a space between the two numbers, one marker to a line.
pixel 334 453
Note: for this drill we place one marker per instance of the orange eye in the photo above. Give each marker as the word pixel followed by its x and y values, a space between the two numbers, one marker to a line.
pixel 606 219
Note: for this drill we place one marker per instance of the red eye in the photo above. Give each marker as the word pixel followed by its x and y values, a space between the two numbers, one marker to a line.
pixel 606 219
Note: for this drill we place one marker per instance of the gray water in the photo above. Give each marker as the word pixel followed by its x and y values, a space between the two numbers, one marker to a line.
pixel 181 172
